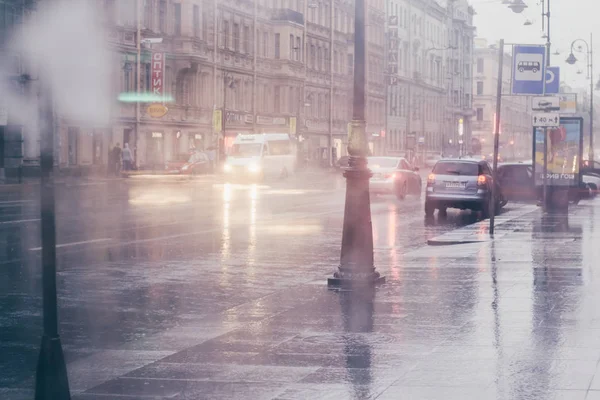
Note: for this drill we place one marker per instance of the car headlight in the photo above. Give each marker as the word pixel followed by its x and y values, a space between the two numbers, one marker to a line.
pixel 254 168
pixel 227 168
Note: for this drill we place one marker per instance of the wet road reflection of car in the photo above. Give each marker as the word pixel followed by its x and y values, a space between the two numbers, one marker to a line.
pixel 394 175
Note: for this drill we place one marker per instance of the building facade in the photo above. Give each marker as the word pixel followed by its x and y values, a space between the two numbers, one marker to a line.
pixel 272 66
pixel 515 114
pixel 17 92
pixel 429 78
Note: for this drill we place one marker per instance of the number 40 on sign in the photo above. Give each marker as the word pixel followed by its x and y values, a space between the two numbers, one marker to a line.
pixel 546 119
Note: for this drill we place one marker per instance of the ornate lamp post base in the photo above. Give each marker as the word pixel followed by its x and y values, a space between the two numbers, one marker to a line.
pixel 356 262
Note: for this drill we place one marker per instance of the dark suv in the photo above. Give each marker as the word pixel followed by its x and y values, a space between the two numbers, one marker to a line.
pixel 461 183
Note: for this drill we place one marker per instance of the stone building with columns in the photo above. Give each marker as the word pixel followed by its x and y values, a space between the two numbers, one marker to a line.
pixel 275 66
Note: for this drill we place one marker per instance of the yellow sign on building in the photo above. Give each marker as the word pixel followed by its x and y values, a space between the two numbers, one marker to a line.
pixel 157 110
pixel 292 125
pixel 217 121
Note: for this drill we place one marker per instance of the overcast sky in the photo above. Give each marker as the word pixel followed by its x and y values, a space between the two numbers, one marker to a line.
pixel 570 20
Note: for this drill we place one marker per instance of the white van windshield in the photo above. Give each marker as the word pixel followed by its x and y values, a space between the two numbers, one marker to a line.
pixel 246 150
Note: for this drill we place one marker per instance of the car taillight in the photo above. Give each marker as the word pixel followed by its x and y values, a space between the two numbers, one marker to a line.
pixel 481 180
pixel 431 179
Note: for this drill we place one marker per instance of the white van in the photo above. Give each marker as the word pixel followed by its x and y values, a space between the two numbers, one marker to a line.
pixel 265 155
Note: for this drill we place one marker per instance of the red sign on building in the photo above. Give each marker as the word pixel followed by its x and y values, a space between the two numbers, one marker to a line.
pixel 158 73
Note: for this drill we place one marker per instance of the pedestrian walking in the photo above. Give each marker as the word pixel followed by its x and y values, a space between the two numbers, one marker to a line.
pixel 115 159
pixel 127 157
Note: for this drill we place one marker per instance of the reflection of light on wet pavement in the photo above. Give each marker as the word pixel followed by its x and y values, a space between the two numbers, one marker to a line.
pixel 252 231
pixel 392 220
pixel 159 198
pixel 301 229
pixel 225 236
pixel 238 186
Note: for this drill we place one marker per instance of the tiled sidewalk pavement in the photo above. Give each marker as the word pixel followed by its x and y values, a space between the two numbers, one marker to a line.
pixel 513 318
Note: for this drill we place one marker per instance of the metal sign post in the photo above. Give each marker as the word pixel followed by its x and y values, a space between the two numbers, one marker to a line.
pixel 496 138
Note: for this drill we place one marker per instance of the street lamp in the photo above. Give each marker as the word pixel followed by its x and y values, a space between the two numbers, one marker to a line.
pixel 51 380
pixel 228 82
pixel 518 6
pixel 590 65
pixel 357 267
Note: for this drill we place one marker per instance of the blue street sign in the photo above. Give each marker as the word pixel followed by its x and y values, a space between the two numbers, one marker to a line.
pixel 529 69
pixel 552 80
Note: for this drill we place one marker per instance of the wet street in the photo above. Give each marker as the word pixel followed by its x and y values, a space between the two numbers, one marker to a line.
pixel 196 289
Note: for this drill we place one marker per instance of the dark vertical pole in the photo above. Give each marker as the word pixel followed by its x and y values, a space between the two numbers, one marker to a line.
pixel 548 43
pixel 496 136
pixel 591 62
pixel 356 261
pixel 224 118
pixel 546 194
pixel 51 377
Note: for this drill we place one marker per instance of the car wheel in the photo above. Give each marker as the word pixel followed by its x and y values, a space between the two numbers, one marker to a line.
pixel 429 209
pixel 521 70
pixel 535 70
pixel 502 202
pixel 401 193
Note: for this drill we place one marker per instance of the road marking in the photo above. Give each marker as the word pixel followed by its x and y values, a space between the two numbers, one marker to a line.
pixel 15 201
pixel 20 221
pixel 58 246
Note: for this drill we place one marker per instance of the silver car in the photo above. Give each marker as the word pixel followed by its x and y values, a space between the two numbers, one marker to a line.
pixel 394 175
pixel 460 183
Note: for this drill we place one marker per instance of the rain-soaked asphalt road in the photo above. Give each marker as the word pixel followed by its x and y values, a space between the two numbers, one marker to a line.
pixel 141 258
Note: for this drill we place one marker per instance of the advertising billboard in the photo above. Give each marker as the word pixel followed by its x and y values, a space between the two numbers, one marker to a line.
pixel 565 144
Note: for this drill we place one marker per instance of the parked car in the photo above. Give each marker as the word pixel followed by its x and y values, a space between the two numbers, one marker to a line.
pixel 198 163
pixel 195 162
pixel 463 184
pixel 516 181
pixel 174 165
pixel 394 175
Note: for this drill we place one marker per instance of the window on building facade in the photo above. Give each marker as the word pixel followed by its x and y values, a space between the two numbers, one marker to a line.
pixel 335 62
pixel 350 64
pixel 293 50
pixel 196 22
pixel 479 114
pixel 319 58
pixel 205 26
pixel 162 16
pixel 277 99
pixel 480 65
pixel 247 39
pixel 177 18
pixel 277 46
pixel 299 49
pixel 225 34
pixel 265 44
pixel 147 14
pixel 479 88
pixel 236 37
